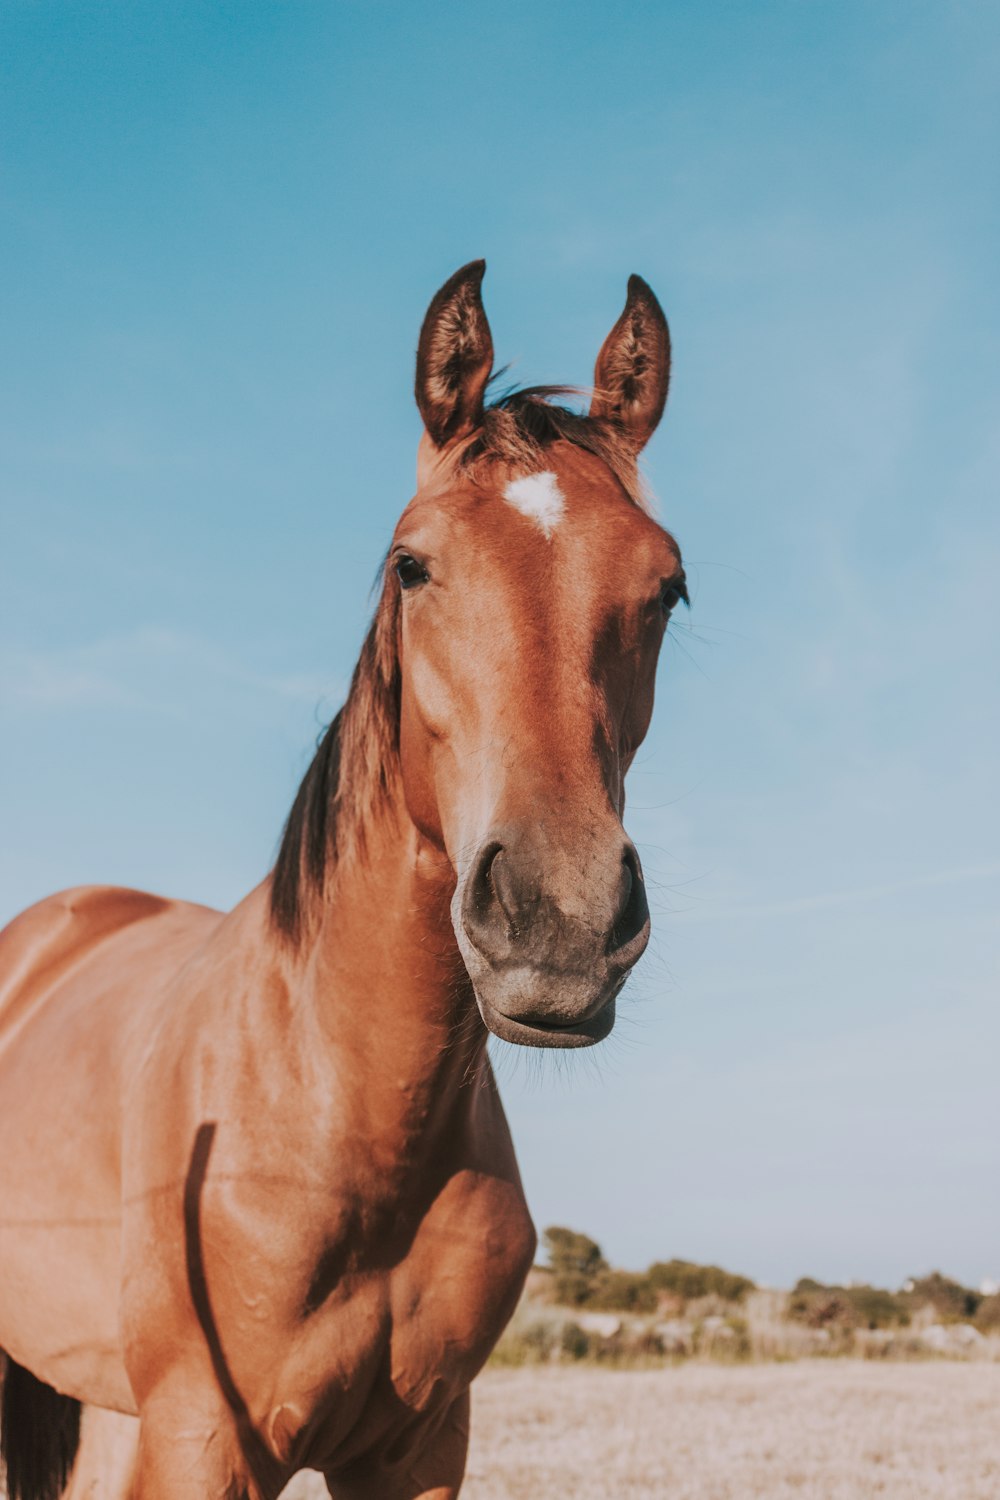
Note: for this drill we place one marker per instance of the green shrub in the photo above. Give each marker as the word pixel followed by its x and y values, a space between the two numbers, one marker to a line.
pixel 843 1307
pixel 877 1308
pixel 623 1291
pixel 574 1343
pixel 952 1302
pixel 688 1280
pixel 533 1344
pixel 576 1262
pixel 629 1350
pixel 987 1318
pixel 828 1307
pixel 569 1250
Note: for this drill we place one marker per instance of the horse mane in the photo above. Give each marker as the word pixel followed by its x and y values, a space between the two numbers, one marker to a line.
pixel 349 773
pixel 352 768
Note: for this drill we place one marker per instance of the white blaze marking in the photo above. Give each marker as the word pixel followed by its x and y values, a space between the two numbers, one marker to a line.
pixel 538 497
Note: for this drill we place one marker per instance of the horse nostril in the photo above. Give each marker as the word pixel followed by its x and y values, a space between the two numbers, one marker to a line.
pixel 504 891
pixel 490 886
pixel 481 884
pixel 633 909
pixel 490 904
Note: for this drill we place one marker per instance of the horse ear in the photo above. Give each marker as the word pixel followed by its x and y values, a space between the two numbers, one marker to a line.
pixel 633 368
pixel 454 357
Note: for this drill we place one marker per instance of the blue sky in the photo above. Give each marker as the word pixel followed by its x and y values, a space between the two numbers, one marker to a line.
pixel 221 227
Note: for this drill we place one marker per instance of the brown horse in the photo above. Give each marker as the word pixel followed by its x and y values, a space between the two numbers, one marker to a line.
pixel 256 1184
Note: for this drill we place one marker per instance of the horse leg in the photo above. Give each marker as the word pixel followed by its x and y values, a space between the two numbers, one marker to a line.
pixel 193 1461
pixel 440 1469
pixel 191 1448
pixel 435 1473
pixel 105 1460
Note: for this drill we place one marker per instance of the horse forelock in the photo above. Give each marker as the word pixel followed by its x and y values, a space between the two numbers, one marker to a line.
pixel 519 425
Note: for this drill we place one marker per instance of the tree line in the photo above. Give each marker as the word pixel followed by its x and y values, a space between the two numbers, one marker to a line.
pixel 582 1277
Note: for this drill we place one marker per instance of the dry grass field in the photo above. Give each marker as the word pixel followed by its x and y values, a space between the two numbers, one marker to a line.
pixel 814 1430
pixel 837 1430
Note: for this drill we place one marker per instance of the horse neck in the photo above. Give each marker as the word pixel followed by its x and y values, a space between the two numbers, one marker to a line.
pixel 383 978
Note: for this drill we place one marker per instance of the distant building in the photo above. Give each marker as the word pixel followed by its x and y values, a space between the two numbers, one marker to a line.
pixel 988 1287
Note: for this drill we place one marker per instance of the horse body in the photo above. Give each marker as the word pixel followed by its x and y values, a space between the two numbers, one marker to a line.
pixel 363 1274
pixel 73 1024
pixel 257 1184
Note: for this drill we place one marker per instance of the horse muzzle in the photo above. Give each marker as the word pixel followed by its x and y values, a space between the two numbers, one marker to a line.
pixel 549 942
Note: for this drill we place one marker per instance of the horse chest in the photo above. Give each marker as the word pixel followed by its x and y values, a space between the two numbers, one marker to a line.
pixel 393 1345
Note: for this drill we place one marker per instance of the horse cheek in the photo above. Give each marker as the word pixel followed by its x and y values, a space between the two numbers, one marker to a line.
pixel 417 747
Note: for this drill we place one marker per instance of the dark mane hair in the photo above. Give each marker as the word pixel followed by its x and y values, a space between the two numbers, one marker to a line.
pixel 351 770
pixel 348 776
pixel 519 424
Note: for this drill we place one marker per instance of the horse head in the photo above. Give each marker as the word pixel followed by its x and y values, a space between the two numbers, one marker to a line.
pixel 534 590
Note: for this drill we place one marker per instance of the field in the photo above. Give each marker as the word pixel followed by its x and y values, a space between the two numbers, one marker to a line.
pixel 812 1430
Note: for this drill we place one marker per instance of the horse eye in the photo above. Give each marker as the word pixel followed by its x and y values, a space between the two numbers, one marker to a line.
pixel 409 572
pixel 671 595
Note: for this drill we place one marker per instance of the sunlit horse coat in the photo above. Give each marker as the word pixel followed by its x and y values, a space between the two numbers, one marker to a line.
pixel 256 1185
